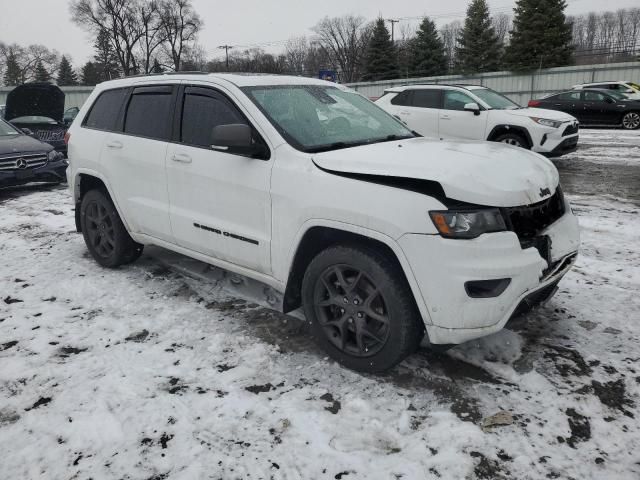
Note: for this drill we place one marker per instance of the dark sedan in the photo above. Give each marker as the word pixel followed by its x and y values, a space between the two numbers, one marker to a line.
pixel 595 107
pixel 24 159
pixel 39 108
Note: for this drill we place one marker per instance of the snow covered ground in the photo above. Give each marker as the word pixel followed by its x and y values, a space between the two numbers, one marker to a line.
pixel 168 369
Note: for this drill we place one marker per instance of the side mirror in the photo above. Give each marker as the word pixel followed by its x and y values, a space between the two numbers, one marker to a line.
pixel 472 107
pixel 237 138
pixel 630 90
pixel 28 132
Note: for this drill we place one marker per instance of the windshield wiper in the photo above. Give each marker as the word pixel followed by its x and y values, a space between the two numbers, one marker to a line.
pixel 330 146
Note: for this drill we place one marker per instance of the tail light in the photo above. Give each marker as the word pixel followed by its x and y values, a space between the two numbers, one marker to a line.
pixel 67 137
pixel 534 103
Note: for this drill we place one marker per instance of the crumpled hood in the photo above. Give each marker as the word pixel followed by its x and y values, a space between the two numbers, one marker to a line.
pixel 22 144
pixel 540 113
pixel 35 99
pixel 483 173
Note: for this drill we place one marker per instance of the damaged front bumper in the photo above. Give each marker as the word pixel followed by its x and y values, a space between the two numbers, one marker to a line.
pixel 443 269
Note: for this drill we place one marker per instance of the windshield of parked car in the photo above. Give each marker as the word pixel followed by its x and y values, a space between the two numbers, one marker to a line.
pixel 7 130
pixel 635 86
pixel 33 119
pixel 316 118
pixel 617 95
pixel 494 99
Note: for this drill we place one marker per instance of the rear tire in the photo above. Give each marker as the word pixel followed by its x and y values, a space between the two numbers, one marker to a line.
pixel 514 139
pixel 104 233
pixel 361 308
pixel 631 120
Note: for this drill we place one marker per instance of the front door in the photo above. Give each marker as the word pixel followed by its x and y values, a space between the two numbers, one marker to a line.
pixel 456 122
pixel 220 202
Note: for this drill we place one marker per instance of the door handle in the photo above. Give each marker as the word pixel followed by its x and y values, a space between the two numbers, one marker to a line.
pixel 445 117
pixel 181 157
pixel 114 144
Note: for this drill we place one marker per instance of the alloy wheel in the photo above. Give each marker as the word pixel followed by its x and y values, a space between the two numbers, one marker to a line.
pixel 631 120
pixel 101 233
pixel 351 311
pixel 512 141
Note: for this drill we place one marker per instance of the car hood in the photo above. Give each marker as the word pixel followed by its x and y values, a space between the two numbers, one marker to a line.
pixel 541 113
pixel 482 173
pixel 35 99
pixel 22 144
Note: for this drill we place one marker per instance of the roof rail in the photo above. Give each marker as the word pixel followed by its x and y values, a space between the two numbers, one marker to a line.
pixel 194 72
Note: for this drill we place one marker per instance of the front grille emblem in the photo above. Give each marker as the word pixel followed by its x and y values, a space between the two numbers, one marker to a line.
pixel 21 163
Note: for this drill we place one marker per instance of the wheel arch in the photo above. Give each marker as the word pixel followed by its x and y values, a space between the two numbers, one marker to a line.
pixel 85 181
pixel 506 128
pixel 316 238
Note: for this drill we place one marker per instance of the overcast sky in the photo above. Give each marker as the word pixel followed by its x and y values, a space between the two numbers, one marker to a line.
pixel 243 22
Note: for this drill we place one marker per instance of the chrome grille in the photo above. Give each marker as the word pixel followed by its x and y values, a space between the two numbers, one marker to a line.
pixel 30 161
pixel 49 135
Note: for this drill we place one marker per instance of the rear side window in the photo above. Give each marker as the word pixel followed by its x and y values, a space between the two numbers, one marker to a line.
pixel 568 96
pixel 150 113
pixel 202 111
pixel 403 99
pixel 426 98
pixel 105 110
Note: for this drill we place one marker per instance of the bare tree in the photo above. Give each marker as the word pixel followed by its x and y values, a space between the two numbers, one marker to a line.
pixel 450 34
pixel 180 25
pixel 345 40
pixel 120 18
pixel 152 33
pixel 501 24
pixel 29 58
pixel 296 50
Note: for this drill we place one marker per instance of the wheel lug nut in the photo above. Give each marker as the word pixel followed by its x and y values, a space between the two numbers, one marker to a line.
pixel 350 320
pixel 356 302
pixel 346 300
pixel 360 315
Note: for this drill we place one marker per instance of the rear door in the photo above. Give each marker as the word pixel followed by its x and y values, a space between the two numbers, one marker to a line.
pixel 456 122
pixel 220 201
pixel 419 109
pixel 135 160
pixel 568 102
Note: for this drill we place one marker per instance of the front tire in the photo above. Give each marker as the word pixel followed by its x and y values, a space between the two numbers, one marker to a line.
pixel 631 121
pixel 104 233
pixel 513 139
pixel 361 308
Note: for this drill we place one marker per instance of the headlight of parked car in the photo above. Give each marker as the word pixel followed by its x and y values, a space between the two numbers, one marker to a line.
pixel 546 122
pixel 467 224
pixel 55 156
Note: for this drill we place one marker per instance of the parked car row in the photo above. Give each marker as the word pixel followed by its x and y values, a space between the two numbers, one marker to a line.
pixel 380 235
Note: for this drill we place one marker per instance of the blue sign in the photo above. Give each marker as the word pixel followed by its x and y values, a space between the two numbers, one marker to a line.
pixel 328 75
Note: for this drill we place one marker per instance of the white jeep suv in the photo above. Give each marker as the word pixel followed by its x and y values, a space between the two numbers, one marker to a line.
pixel 472 112
pixel 379 234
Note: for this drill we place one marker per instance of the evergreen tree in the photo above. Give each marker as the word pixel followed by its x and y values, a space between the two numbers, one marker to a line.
pixel 105 59
pixel 12 74
pixel 541 36
pixel 478 47
pixel 157 68
pixel 66 75
pixel 90 75
pixel 381 58
pixel 426 53
pixel 42 74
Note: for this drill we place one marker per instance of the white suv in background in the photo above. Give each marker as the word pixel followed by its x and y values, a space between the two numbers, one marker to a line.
pixel 630 89
pixel 379 234
pixel 472 112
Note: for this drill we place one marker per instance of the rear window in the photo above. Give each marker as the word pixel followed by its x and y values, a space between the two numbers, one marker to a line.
pixel 149 113
pixel 105 110
pixel 426 98
pixel 568 96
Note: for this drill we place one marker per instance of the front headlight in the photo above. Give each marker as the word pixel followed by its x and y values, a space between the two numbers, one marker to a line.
pixel 54 156
pixel 546 122
pixel 467 223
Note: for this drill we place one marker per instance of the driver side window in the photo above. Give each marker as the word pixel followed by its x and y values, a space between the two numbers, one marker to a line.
pixel 454 100
pixel 201 112
pixel 594 97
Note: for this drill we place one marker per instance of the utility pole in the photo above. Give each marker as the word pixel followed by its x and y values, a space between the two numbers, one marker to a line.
pixel 226 49
pixel 393 24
